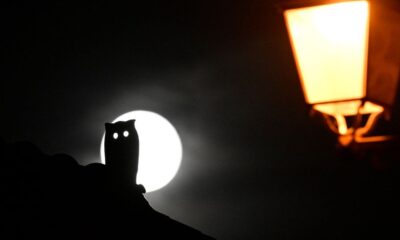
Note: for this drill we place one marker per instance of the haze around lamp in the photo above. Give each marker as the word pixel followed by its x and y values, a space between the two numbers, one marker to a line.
pixel 348 60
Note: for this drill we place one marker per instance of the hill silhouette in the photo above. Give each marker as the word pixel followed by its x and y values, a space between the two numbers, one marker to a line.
pixel 53 197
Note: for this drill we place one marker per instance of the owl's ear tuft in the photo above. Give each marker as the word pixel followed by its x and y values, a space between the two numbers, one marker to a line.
pixel 108 125
pixel 132 121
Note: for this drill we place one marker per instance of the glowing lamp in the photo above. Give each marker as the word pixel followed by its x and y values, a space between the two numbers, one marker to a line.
pixel 347 55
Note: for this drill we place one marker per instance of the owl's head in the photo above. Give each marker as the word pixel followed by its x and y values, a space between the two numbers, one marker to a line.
pixel 120 131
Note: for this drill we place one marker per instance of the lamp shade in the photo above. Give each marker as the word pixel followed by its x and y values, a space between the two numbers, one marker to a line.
pixel 347 53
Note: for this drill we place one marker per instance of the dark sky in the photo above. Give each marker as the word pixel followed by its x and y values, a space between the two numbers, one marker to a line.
pixel 255 165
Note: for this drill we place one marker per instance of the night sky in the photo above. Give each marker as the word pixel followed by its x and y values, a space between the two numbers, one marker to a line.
pixel 255 164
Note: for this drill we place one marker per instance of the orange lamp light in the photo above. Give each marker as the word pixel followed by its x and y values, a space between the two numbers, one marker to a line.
pixel 347 55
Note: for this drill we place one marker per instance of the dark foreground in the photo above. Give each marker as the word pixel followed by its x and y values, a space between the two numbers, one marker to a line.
pixel 53 197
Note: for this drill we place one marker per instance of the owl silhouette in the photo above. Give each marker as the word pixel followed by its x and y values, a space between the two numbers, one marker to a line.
pixel 121 148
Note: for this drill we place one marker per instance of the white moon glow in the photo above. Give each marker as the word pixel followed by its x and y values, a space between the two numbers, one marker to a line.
pixel 160 149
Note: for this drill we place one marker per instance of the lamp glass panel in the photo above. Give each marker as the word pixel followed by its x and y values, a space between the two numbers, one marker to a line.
pixel 330 43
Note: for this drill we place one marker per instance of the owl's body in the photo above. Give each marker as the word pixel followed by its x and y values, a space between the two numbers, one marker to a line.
pixel 122 151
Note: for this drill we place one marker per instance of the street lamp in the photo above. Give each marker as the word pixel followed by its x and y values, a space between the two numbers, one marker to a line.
pixel 347 55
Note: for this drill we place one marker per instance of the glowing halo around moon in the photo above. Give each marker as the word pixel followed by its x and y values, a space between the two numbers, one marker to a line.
pixel 160 149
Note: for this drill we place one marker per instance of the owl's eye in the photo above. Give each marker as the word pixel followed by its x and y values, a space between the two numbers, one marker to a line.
pixel 126 133
pixel 115 135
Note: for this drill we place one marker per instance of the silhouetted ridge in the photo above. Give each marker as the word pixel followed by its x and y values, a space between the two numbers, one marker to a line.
pixel 54 197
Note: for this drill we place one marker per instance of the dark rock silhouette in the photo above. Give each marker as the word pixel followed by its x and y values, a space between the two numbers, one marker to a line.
pixel 53 197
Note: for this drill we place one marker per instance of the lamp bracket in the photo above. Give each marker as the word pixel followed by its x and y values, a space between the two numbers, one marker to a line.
pixel 358 131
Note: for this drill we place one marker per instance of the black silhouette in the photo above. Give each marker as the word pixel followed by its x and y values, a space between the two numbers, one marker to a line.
pixel 122 151
pixel 53 197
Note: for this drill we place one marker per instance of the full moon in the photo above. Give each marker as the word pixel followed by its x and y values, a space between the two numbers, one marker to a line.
pixel 160 149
